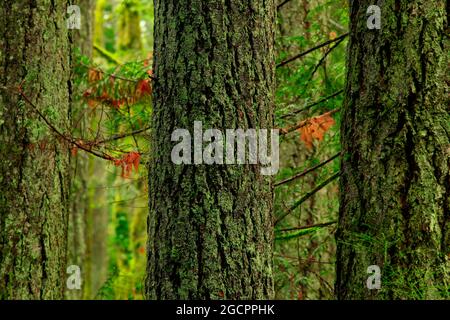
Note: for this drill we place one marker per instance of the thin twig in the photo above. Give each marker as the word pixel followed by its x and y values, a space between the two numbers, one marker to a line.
pixel 323 59
pixel 293 113
pixel 308 195
pixel 113 75
pixel 297 176
pixel 53 128
pixel 311 50
pixel 318 225
pixel 106 54
pixel 122 135
pixel 303 260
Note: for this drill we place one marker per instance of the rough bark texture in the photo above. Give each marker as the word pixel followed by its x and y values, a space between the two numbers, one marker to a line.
pixel 33 183
pixel 395 184
pixel 210 227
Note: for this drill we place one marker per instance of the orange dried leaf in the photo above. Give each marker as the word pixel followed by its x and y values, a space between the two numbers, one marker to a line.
pixel 315 129
pixel 306 136
pixel 128 162
pixel 94 75
pixel 143 88
pixel 117 103
pixel 92 103
pixel 74 151
pixel 87 93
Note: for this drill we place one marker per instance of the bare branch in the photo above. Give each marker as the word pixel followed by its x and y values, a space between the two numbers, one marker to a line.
pixel 293 113
pixel 323 59
pixel 122 135
pixel 308 195
pixel 297 176
pixel 311 50
pixel 64 137
pixel 318 225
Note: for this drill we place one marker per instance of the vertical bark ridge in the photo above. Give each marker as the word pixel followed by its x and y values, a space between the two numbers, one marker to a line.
pixel 395 136
pixel 210 227
pixel 33 181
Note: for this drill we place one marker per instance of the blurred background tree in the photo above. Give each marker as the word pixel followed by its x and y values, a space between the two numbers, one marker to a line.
pixel 112 54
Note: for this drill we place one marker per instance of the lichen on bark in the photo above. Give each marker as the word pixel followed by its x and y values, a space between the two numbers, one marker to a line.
pixel 395 184
pixel 210 227
pixel 33 178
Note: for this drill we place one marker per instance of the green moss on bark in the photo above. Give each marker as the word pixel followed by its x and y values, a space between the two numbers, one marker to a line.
pixel 210 227
pixel 395 185
pixel 34 191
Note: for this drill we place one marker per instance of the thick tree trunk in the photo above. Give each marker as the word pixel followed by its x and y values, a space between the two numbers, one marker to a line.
pixel 395 185
pixel 210 226
pixel 34 51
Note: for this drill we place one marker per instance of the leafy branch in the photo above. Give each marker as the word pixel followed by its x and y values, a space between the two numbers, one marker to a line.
pixel 87 145
pixel 306 122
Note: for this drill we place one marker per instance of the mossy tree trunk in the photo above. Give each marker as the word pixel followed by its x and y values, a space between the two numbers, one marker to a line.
pixel 34 50
pixel 395 184
pixel 210 226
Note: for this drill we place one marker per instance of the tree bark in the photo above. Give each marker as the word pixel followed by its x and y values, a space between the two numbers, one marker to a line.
pixel 210 226
pixel 34 51
pixel 395 184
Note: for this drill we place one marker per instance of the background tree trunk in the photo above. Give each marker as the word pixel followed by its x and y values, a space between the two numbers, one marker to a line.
pixel 34 50
pixel 79 246
pixel 129 27
pixel 395 190
pixel 210 227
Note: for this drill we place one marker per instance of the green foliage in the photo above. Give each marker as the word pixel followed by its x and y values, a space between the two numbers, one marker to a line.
pixel 115 100
pixel 304 258
pixel 295 234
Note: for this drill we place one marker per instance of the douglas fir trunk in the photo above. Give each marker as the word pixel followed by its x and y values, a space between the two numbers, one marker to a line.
pixel 210 226
pixel 395 184
pixel 34 52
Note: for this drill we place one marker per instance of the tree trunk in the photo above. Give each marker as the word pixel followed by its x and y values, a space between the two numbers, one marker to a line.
pixel 210 226
pixel 129 35
pixel 34 51
pixel 395 184
pixel 81 43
